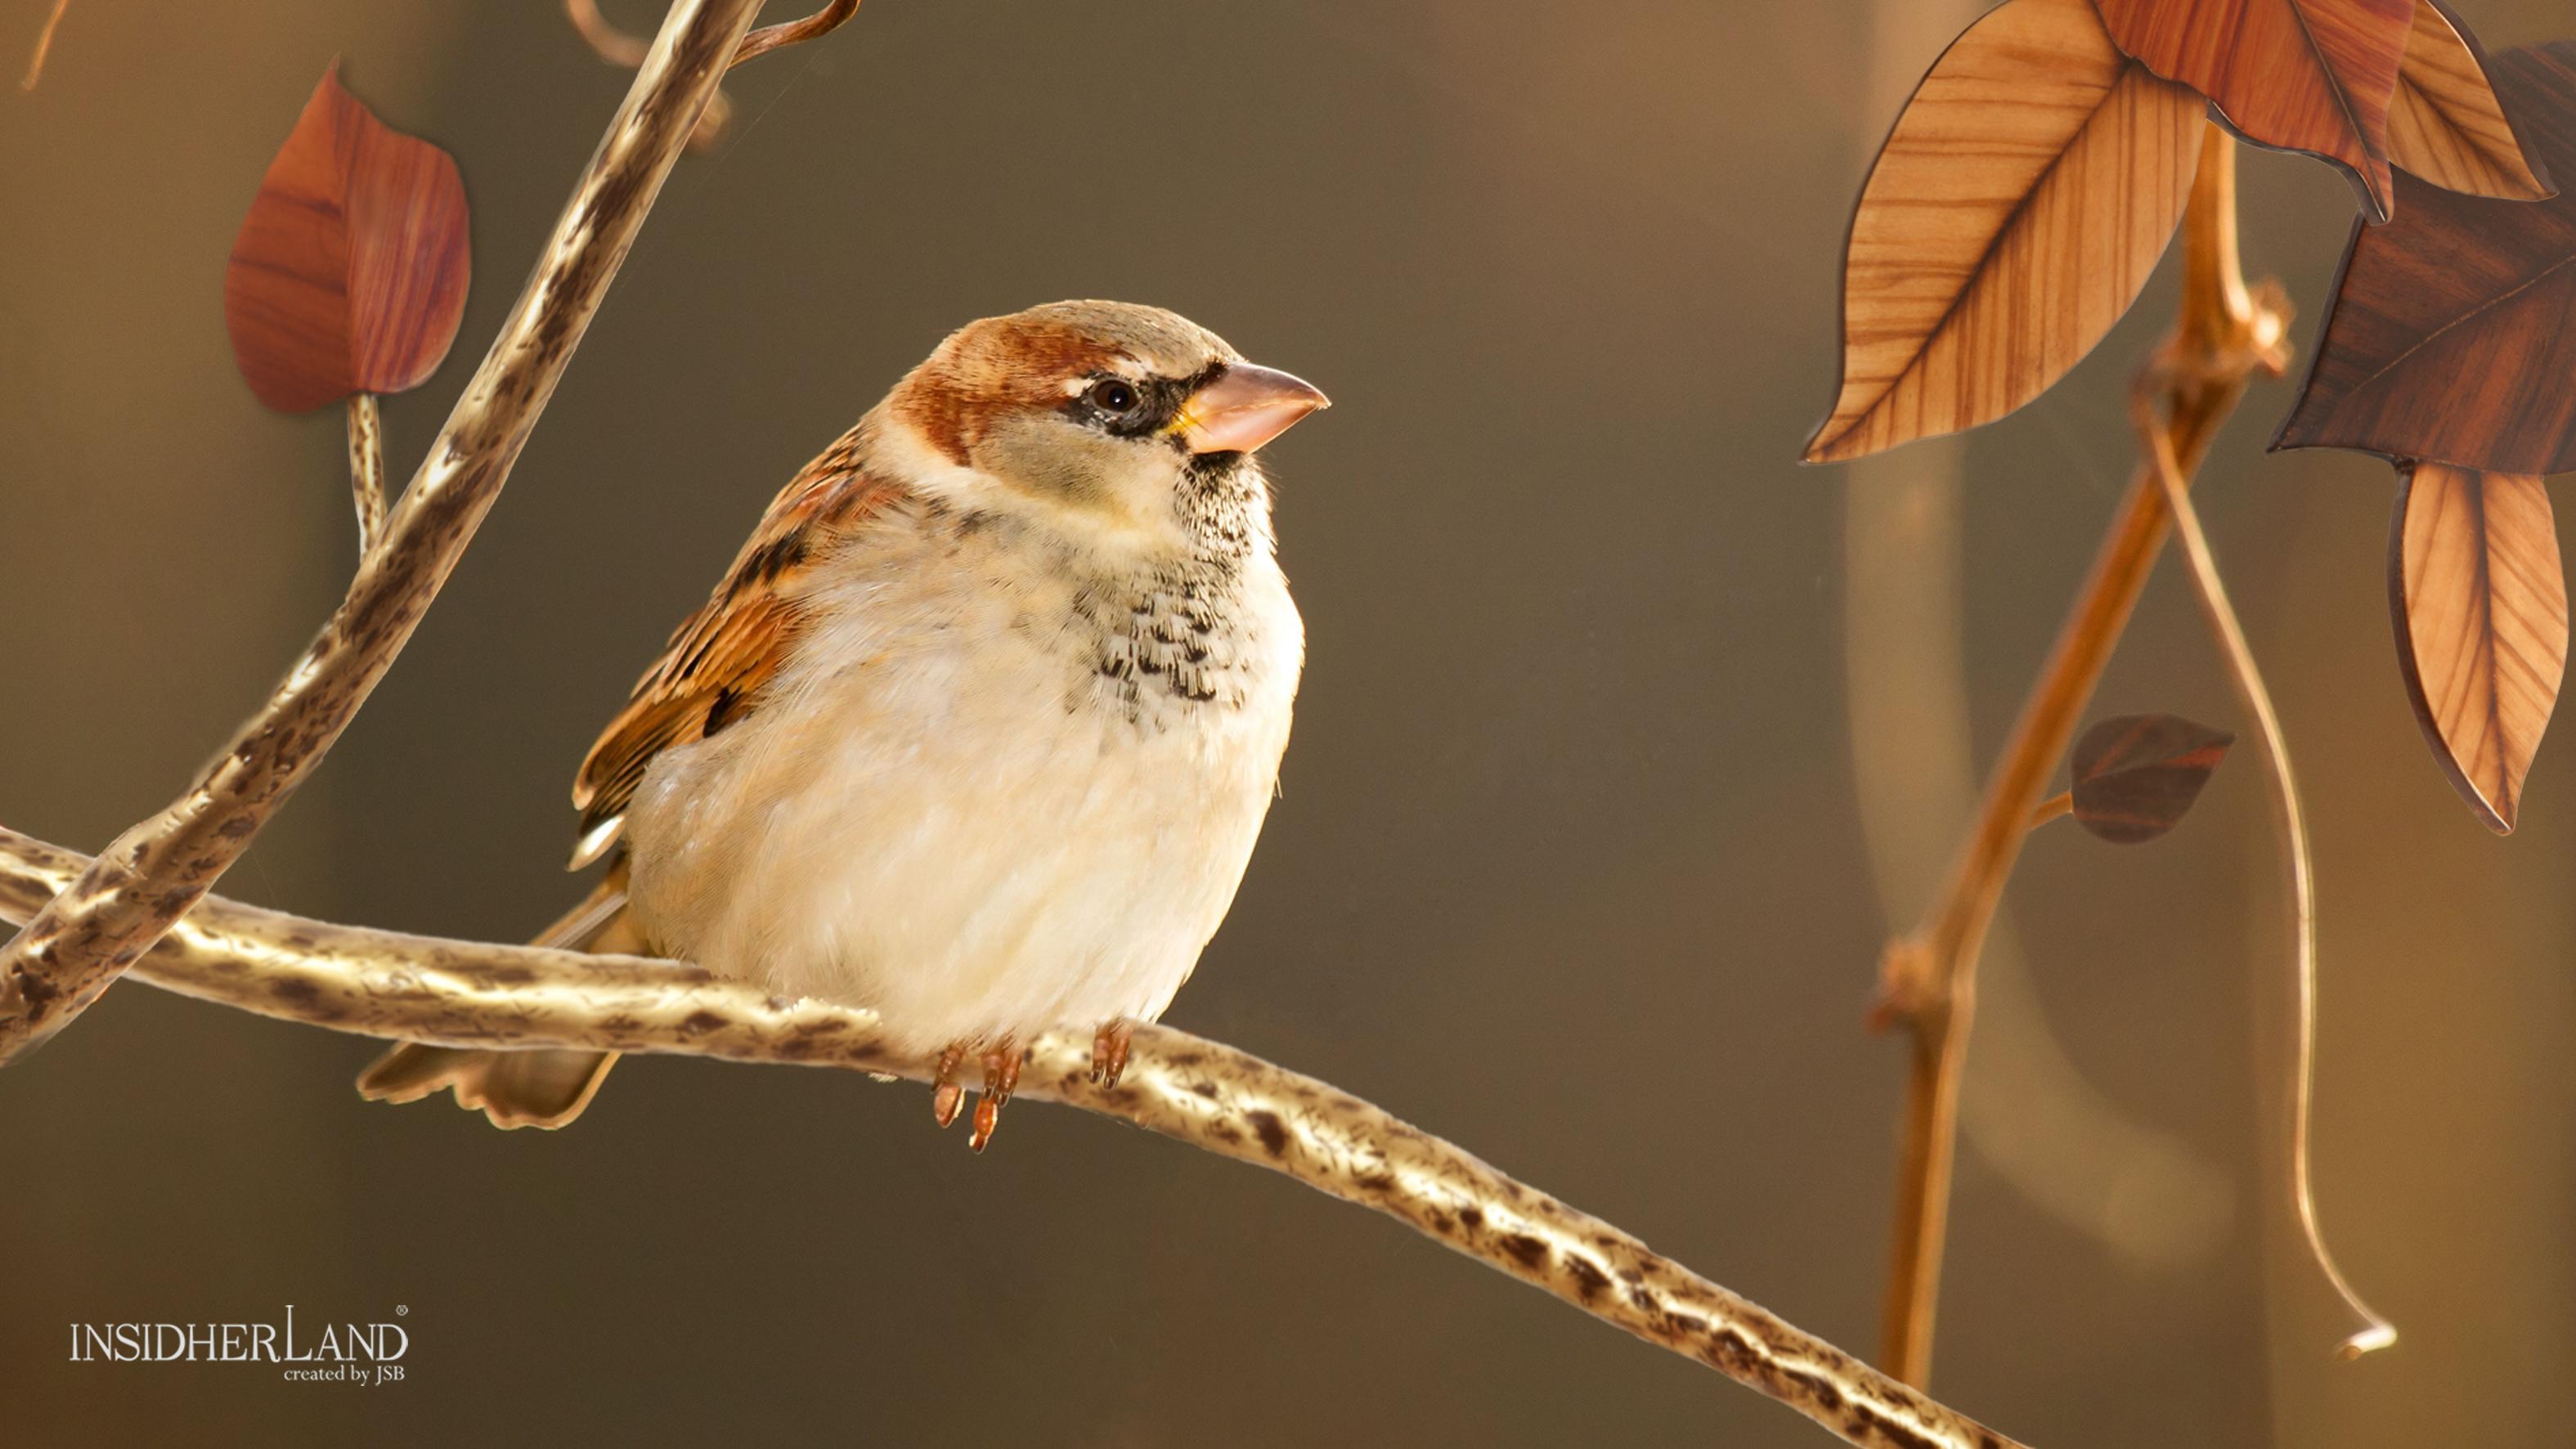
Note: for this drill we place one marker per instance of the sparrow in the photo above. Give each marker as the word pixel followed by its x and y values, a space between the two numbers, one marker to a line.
pixel 978 729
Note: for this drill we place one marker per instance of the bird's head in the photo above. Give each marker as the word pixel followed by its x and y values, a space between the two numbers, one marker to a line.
pixel 1115 416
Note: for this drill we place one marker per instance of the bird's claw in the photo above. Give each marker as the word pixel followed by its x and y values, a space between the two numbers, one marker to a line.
pixel 944 1091
pixel 1109 1046
pixel 1001 1078
pixel 1002 1065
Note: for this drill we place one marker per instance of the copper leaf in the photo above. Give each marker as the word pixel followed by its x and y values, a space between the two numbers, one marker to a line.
pixel 2453 332
pixel 2301 75
pixel 2445 123
pixel 2481 606
pixel 2136 775
pixel 349 273
pixel 2012 216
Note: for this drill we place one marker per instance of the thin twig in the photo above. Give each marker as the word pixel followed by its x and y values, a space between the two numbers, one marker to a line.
pixel 822 22
pixel 2375 1332
pixel 2055 807
pixel 1928 978
pixel 73 949
pixel 1211 1096
pixel 367 469
pixel 44 46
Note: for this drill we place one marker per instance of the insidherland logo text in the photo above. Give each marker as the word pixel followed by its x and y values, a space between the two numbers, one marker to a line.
pixel 360 1353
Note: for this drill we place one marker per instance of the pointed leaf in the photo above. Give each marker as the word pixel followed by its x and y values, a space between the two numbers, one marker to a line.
pixel 2481 607
pixel 2445 124
pixel 2137 775
pixel 2301 75
pixel 2450 335
pixel 2014 213
pixel 349 273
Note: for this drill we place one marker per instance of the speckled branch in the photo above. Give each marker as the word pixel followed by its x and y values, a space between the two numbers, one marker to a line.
pixel 74 947
pixel 455 993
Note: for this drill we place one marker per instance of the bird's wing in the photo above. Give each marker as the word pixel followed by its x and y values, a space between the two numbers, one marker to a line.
pixel 711 673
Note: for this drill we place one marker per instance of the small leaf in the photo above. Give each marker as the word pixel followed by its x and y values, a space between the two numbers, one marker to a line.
pixel 2481 607
pixel 2016 209
pixel 2136 775
pixel 2445 124
pixel 2449 338
pixel 2301 75
pixel 349 273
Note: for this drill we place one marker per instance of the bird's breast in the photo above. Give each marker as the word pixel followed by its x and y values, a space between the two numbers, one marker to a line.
pixel 983 787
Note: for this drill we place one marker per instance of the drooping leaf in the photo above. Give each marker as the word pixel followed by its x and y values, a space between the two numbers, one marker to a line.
pixel 2445 124
pixel 2453 331
pixel 349 273
pixel 2137 775
pixel 2016 209
pixel 2301 75
pixel 2481 606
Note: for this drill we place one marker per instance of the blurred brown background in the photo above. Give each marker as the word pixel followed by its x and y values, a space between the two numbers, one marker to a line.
pixel 1622 743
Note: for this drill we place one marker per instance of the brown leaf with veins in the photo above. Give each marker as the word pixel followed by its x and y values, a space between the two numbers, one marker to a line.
pixel 2301 75
pixel 2137 775
pixel 349 273
pixel 2453 332
pixel 2016 209
pixel 2480 601
pixel 2445 123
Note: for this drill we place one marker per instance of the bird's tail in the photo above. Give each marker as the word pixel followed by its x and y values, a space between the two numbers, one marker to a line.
pixel 541 1088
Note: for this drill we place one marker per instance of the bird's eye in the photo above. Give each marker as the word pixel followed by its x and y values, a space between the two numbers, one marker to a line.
pixel 1112 395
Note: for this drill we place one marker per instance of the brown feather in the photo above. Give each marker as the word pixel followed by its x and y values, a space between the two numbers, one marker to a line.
pixel 712 671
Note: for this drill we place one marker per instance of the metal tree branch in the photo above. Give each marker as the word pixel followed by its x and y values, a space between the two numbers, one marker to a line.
pixel 454 993
pixel 367 469
pixel 73 948
pixel 1929 976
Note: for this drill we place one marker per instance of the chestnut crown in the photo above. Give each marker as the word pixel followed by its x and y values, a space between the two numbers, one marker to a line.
pixel 1105 408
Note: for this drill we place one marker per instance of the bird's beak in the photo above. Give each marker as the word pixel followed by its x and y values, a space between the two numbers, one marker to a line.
pixel 1244 408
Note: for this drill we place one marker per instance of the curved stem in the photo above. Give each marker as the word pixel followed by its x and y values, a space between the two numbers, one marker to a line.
pixel 1208 1095
pixel 611 44
pixel 2374 1331
pixel 44 46
pixel 74 948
